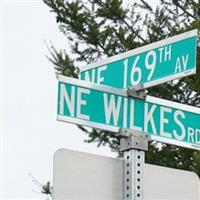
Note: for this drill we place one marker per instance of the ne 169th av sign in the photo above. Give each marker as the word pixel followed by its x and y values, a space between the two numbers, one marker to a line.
pixel 149 65
pixel 110 109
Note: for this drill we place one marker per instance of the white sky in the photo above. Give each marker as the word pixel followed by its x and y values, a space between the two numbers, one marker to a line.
pixel 31 133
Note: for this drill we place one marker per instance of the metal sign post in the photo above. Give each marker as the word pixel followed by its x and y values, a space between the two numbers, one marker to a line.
pixel 133 144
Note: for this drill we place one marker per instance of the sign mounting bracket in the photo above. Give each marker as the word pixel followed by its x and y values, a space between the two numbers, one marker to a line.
pixel 137 92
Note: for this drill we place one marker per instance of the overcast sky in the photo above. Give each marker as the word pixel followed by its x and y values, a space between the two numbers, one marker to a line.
pixel 31 133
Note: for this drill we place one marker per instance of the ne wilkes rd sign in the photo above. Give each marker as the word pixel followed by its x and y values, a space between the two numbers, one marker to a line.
pixel 109 109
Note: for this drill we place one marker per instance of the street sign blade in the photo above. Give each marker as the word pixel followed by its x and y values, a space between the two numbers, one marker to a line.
pixel 107 108
pixel 150 65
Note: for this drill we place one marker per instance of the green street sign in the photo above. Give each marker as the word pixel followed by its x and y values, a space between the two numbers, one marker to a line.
pixel 107 108
pixel 149 65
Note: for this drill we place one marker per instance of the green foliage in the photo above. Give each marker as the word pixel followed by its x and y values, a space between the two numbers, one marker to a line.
pixel 100 28
pixel 62 62
pixel 47 189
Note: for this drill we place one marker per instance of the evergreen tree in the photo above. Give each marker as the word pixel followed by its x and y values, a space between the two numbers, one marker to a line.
pixel 101 28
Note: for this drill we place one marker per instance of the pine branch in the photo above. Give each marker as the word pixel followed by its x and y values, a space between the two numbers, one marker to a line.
pixel 176 2
pixel 121 19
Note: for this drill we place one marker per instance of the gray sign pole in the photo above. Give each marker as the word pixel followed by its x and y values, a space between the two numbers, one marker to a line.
pixel 133 145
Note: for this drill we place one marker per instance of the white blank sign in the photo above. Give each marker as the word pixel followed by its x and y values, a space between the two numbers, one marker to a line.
pixel 80 175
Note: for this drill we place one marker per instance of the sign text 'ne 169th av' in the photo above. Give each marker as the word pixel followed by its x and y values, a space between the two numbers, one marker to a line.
pixel 149 65
pixel 109 109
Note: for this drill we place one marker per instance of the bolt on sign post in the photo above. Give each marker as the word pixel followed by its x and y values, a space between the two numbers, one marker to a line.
pixel 150 65
pixel 109 109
